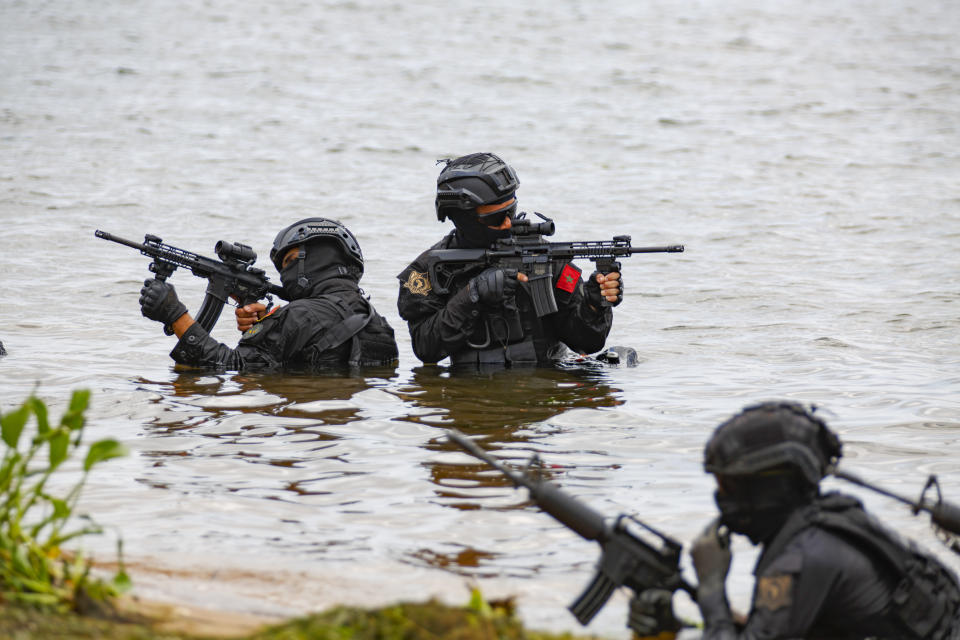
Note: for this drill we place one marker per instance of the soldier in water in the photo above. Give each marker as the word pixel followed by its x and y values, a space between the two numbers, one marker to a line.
pixel 329 324
pixel 487 318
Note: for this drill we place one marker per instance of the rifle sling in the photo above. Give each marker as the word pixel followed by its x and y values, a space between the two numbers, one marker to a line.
pixel 351 325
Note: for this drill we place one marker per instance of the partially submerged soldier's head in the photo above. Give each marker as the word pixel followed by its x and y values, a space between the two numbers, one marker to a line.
pixel 313 250
pixel 768 460
pixel 478 193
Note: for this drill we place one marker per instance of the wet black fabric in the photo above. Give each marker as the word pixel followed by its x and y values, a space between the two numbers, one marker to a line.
pixel 834 584
pixel 757 506
pixel 294 338
pixel 447 325
pixel 300 277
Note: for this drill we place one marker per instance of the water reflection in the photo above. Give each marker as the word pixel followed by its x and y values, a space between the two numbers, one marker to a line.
pixel 257 434
pixel 329 399
pixel 496 403
pixel 510 411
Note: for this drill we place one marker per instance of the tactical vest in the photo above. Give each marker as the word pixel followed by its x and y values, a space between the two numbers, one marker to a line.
pixel 926 599
pixel 371 338
pixel 509 335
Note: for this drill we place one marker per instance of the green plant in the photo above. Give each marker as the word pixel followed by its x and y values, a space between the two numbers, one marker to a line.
pixel 34 568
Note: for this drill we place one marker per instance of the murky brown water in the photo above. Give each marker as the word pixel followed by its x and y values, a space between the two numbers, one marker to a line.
pixel 805 152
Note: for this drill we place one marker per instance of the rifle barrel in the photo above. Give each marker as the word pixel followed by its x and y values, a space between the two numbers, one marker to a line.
pixel 671 248
pixel 553 500
pixel 944 514
pixel 112 238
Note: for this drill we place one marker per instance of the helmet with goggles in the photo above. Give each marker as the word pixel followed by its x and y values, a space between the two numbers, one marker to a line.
pixel 769 436
pixel 312 229
pixel 473 181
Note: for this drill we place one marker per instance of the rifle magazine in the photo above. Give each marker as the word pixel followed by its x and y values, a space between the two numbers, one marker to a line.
pixel 589 603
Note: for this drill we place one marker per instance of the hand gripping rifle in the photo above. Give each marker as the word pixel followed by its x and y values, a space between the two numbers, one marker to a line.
pixel 526 251
pixel 232 275
pixel 944 515
pixel 627 559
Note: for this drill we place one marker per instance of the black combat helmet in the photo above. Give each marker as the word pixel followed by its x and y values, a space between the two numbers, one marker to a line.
pixel 768 460
pixel 474 180
pixel 770 435
pixel 314 229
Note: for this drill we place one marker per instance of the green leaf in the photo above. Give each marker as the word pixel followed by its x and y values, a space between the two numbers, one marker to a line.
pixel 72 421
pixel 60 509
pixel 478 604
pixel 12 425
pixel 21 563
pixel 7 468
pixel 40 410
pixel 103 450
pixel 80 400
pixel 121 582
pixel 37 586
pixel 73 418
pixel 35 598
pixel 58 448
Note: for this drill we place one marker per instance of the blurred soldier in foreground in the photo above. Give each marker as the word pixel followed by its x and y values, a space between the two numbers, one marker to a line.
pixel 329 323
pixel 827 569
pixel 487 317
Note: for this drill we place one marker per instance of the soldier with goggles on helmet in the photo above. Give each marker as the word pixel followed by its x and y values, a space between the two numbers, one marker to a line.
pixel 827 569
pixel 328 324
pixel 487 316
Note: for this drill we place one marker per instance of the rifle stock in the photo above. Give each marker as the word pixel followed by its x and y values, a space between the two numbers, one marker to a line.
pixel 626 559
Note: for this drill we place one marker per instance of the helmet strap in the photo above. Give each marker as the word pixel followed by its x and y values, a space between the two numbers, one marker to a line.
pixel 302 279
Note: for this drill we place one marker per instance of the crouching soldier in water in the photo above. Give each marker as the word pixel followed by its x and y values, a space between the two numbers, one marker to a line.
pixel 827 569
pixel 487 316
pixel 328 324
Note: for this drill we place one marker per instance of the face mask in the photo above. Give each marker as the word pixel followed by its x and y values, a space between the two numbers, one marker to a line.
pixel 757 506
pixel 293 283
pixel 758 524
pixel 474 235
pixel 320 263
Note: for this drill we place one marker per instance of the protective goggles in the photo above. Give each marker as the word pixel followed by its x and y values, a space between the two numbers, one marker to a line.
pixel 496 217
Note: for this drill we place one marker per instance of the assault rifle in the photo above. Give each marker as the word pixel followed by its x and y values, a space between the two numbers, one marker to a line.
pixel 627 558
pixel 526 251
pixel 232 276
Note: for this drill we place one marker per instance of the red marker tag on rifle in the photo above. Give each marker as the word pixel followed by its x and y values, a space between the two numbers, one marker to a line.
pixel 568 278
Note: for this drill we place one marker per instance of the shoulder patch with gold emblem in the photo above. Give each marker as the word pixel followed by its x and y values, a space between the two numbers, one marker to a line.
pixel 774 592
pixel 418 283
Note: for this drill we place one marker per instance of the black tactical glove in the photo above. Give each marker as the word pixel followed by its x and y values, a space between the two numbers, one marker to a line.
pixel 651 613
pixel 493 287
pixel 593 295
pixel 159 301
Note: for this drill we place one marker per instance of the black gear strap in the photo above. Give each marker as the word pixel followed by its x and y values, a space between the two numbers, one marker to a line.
pixel 350 325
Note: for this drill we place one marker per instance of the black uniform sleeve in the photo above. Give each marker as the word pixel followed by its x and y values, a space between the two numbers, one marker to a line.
pixel 577 324
pixel 439 325
pixel 197 348
pixel 821 585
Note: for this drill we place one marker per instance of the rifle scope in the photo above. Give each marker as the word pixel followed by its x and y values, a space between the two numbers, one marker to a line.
pixel 523 227
pixel 235 252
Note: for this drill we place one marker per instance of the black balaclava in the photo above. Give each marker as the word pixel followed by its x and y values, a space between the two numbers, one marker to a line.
pixel 473 234
pixel 759 505
pixel 318 261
